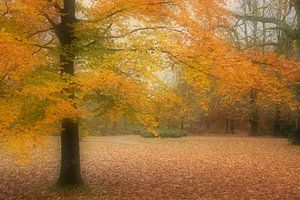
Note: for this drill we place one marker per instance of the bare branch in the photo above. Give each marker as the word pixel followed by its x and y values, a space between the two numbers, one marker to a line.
pixel 51 21
pixel 281 24
pixel 39 31
pixel 44 46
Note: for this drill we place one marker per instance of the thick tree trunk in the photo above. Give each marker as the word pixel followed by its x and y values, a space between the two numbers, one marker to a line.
pixel 70 174
pixel 70 155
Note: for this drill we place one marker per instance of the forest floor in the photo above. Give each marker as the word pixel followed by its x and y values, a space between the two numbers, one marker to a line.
pixel 132 167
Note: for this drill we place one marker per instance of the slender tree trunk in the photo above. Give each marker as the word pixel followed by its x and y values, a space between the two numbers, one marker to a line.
pixel 254 118
pixel 200 123
pixel 264 31
pixel 182 124
pixel 70 174
pixel 296 138
pixel 227 125
pixel 126 124
pixel 106 123
pixel 231 127
pixel 207 124
pixel 277 123
pixel 254 114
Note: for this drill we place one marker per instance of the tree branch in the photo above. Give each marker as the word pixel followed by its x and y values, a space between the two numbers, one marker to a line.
pixel 55 4
pixel 51 21
pixel 281 24
pixel 113 13
pixel 39 31
pixel 44 46
pixel 143 29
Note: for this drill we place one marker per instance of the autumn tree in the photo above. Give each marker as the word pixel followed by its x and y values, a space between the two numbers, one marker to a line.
pixel 63 40
pixel 93 58
pixel 280 22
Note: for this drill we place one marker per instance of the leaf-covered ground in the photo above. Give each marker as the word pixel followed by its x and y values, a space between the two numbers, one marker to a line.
pixel 131 167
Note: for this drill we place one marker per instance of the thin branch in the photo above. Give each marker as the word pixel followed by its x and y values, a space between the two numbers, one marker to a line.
pixel 7 73
pixel 114 13
pixel 131 32
pixel 39 31
pixel 51 21
pixel 187 64
pixel 106 17
pixel 55 4
pixel 269 44
pixel 143 29
pixel 44 46
pixel 281 24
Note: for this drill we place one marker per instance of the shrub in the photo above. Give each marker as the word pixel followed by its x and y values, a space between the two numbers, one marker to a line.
pixel 164 133
pixel 295 136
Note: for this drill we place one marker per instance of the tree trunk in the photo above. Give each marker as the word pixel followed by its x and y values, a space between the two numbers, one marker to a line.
pixel 277 123
pixel 182 124
pixel 207 124
pixel 70 174
pixel 227 125
pixel 231 127
pixel 254 118
pixel 106 123
pixel 296 137
pixel 126 124
pixel 169 123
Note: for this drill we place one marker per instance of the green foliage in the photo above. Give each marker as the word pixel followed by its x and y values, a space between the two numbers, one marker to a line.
pixel 164 133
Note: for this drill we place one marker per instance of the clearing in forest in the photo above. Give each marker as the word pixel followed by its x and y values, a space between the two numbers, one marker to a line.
pixel 132 167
